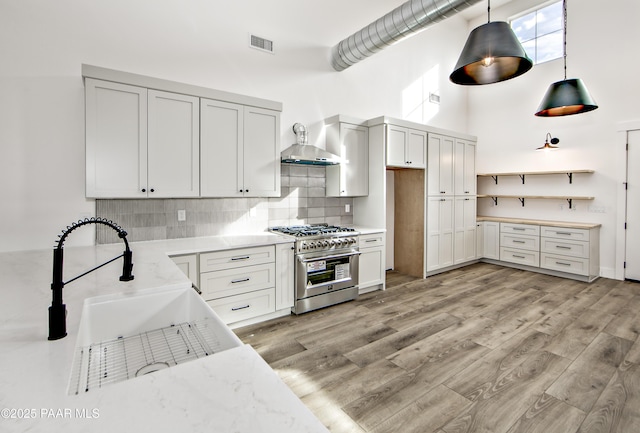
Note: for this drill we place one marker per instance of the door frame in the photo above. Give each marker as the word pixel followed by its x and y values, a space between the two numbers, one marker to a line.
pixel 622 134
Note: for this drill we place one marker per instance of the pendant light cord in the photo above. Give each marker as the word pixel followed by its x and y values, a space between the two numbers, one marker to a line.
pixel 564 39
pixel 488 11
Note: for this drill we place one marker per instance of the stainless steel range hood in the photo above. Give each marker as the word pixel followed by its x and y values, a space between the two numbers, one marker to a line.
pixel 303 153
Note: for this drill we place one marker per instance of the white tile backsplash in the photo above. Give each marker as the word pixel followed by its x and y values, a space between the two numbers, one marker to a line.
pixel 302 201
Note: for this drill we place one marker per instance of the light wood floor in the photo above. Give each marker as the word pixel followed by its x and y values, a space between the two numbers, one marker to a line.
pixel 480 349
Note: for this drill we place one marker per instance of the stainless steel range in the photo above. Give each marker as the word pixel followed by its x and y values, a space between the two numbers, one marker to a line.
pixel 326 270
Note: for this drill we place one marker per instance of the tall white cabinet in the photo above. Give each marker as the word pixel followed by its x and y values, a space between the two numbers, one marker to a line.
pixel 140 142
pixel 451 235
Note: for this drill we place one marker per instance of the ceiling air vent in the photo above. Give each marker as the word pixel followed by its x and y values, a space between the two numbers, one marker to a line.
pixel 261 44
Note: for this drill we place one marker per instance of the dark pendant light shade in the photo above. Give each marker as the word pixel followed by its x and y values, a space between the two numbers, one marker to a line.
pixel 492 54
pixel 566 97
pixel 569 96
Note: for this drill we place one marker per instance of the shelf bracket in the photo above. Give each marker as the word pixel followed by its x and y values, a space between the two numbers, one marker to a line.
pixel 495 179
pixel 569 200
pixel 522 178
pixel 570 178
pixel 521 200
pixel 495 200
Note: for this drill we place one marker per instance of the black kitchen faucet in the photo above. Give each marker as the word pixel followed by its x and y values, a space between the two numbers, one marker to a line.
pixel 58 310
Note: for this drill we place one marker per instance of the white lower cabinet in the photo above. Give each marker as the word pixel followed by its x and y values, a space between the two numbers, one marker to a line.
pixel 188 264
pixel 244 306
pixel 246 283
pixel 520 243
pixel 285 262
pixel 490 240
pixel 371 268
pixel 464 248
pixel 440 232
pixel 572 251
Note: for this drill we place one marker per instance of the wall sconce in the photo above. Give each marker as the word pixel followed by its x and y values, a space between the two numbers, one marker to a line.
pixel 547 147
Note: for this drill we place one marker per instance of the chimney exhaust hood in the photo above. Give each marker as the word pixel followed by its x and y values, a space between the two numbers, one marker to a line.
pixel 306 154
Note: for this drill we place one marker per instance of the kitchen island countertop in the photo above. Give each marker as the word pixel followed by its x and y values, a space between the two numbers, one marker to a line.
pixel 230 391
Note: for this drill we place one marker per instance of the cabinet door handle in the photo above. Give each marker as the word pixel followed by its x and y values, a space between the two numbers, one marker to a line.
pixel 240 258
pixel 563 264
pixel 518 257
pixel 152 190
pixel 443 192
pixel 562 247
pixel 240 308
pixel 515 241
pixel 241 280
pixel 563 233
pixel 520 229
pixel 144 189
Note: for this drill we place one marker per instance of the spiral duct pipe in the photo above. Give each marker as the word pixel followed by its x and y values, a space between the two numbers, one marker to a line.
pixel 395 26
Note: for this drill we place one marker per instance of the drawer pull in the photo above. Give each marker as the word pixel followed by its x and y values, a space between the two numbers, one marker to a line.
pixel 518 257
pixel 563 233
pixel 562 247
pixel 517 242
pixel 241 280
pixel 370 240
pixel 240 308
pixel 240 258
pixel 520 229
pixel 563 264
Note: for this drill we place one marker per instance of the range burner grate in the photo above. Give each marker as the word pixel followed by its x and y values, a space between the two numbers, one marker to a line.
pixel 311 230
pixel 124 358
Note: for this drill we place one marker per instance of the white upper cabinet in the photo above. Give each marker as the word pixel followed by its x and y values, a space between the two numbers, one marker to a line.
pixel 261 152
pixel 139 142
pixel 116 140
pixel 240 150
pixel 406 147
pixel 148 137
pixel 173 145
pixel 440 170
pixel 350 178
pixel 221 135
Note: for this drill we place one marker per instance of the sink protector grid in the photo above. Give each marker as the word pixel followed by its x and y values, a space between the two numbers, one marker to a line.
pixel 123 358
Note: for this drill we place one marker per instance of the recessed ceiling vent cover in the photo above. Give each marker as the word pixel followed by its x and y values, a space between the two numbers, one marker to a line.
pixel 261 44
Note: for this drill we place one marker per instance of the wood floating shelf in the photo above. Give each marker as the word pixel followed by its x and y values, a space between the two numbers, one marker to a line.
pixel 523 174
pixel 522 198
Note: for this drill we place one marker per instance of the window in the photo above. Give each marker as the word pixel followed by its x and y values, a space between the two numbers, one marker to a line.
pixel 541 32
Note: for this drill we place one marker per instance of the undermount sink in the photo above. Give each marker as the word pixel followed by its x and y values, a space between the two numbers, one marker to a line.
pixel 123 336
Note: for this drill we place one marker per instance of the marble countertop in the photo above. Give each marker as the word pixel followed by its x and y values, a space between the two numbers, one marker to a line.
pixel 231 391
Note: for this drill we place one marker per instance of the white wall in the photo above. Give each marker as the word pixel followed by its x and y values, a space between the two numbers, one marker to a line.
pixel 43 43
pixel 601 46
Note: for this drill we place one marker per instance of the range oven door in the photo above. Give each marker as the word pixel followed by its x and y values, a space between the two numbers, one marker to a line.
pixel 321 273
